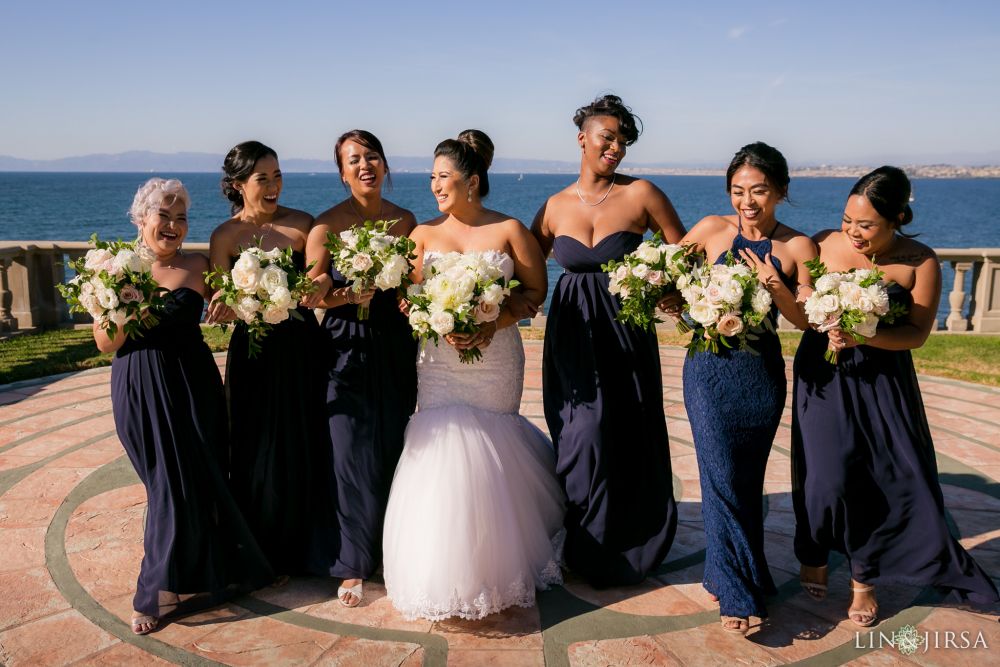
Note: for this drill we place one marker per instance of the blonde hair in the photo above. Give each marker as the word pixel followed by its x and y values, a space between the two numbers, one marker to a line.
pixel 152 194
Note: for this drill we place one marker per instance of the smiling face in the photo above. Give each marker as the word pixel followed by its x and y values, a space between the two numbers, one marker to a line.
pixel 363 168
pixel 867 231
pixel 164 227
pixel 753 197
pixel 263 187
pixel 603 144
pixel 449 187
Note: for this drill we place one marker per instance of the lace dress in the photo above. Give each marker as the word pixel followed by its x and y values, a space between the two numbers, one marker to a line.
pixel 475 503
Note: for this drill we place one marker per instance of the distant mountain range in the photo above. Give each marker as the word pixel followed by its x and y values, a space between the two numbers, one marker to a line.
pixel 147 161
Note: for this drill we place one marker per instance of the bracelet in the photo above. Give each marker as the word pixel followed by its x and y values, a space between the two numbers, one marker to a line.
pixel 350 295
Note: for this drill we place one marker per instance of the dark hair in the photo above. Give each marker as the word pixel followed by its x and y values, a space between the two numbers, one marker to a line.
pixel 888 190
pixel 369 141
pixel 765 158
pixel 472 153
pixel 238 166
pixel 629 124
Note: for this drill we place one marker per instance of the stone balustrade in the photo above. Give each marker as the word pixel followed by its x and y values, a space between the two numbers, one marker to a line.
pixel 30 271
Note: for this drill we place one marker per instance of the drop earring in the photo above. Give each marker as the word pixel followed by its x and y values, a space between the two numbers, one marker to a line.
pixel 469 197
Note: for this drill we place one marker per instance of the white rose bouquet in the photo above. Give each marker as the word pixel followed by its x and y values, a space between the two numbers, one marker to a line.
pixel 643 277
pixel 368 256
pixel 264 288
pixel 854 301
pixel 114 284
pixel 725 303
pixel 460 292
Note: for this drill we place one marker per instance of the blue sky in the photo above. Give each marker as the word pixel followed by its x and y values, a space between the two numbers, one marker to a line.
pixel 843 82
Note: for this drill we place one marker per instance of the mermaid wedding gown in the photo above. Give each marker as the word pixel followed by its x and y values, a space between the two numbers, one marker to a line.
pixel 475 504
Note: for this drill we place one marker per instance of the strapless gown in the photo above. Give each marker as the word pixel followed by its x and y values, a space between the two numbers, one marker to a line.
pixel 370 394
pixel 603 397
pixel 864 474
pixel 170 415
pixel 475 504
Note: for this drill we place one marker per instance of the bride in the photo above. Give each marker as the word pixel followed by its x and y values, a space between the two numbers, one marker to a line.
pixel 475 504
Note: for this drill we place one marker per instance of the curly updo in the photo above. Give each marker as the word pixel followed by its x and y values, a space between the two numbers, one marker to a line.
pixel 767 159
pixel 629 124
pixel 888 190
pixel 152 194
pixel 238 166
pixel 471 153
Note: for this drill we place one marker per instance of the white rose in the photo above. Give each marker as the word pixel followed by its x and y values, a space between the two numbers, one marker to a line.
pixel 703 313
pixel 731 291
pixel 274 254
pixel 273 277
pixel 106 297
pixel 656 278
pixel 379 242
pixel 246 308
pixel 761 301
pixel 98 259
pixel 492 295
pixel 415 289
pixel 730 324
pixel 350 238
pixel 118 316
pixel 640 271
pixel 442 322
pixel 862 274
pixel 418 318
pixel 386 280
pixel 274 314
pixel 362 262
pixel 714 293
pixel 125 260
pixel 850 295
pixel 90 302
pixel 739 270
pixel 879 298
pixel 486 312
pixel 829 303
pixel 683 281
pixel 828 282
pixel 246 272
pixel 86 288
pixel 281 297
pixel 394 269
pixel 624 292
pixel 867 328
pixel 647 253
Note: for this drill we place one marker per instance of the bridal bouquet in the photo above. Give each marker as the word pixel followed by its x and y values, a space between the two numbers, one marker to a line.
pixel 368 256
pixel 114 284
pixel 264 287
pixel 643 277
pixel 854 301
pixel 724 302
pixel 460 292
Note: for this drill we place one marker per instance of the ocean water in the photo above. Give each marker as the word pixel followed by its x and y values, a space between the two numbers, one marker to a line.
pixel 69 207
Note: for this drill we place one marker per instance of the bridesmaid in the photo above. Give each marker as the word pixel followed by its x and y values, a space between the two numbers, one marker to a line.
pixel 170 414
pixel 863 468
pixel 603 392
pixel 734 399
pixel 282 472
pixel 372 378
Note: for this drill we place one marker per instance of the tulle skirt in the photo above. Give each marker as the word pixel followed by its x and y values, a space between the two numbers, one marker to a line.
pixel 473 515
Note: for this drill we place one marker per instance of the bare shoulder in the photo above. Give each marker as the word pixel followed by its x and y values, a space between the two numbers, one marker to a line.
pixel 825 236
pixel 796 240
pixel 225 231
pixel 426 228
pixel 912 252
pixel 293 217
pixel 195 262
pixel 406 220
pixel 334 218
pixel 638 187
pixel 711 224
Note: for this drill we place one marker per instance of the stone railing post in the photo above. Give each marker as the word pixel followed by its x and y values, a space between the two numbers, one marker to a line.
pixel 956 299
pixel 7 321
pixel 986 318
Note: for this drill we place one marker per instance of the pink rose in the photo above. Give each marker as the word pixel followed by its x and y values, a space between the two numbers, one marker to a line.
pixel 130 294
pixel 730 324
pixel 486 312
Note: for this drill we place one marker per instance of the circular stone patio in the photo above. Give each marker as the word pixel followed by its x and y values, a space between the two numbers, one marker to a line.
pixel 71 513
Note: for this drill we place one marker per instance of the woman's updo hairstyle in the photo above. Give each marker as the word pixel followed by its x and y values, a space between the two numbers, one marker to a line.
pixel 767 159
pixel 369 141
pixel 238 166
pixel 629 124
pixel 471 153
pixel 154 193
pixel 888 190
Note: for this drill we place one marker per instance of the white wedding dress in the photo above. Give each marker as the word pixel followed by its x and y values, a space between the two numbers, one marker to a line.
pixel 475 504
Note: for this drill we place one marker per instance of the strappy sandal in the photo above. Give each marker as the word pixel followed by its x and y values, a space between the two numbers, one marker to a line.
pixel 741 627
pixel 860 617
pixel 815 589
pixel 143 625
pixel 357 590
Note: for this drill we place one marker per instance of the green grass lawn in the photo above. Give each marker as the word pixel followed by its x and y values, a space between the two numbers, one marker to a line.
pixel 958 356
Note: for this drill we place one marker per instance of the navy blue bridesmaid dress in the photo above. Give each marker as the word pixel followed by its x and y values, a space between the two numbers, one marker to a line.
pixel 864 473
pixel 603 398
pixel 734 401
pixel 170 414
pixel 371 392
pixel 282 463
